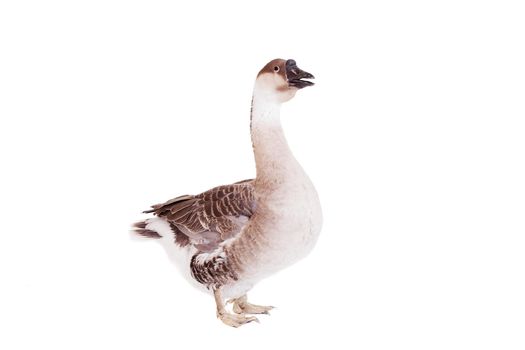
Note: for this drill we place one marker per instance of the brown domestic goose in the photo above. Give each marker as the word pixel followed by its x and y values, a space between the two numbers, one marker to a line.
pixel 228 238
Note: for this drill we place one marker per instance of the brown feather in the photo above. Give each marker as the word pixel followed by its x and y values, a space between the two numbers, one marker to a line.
pixel 212 211
pixel 147 233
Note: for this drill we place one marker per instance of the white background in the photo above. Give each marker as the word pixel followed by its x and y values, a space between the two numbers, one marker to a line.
pixel 413 135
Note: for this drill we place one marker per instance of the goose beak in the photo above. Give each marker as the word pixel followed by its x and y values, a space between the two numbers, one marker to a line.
pixel 295 76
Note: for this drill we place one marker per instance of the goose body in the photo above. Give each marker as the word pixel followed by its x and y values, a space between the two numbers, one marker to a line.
pixel 228 238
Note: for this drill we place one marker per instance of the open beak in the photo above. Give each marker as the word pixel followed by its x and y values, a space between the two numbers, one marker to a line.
pixel 295 76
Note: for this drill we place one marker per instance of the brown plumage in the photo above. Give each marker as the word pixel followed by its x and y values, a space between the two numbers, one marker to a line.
pixel 209 218
pixel 140 228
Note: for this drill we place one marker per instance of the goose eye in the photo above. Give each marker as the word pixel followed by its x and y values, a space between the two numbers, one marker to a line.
pixel 276 68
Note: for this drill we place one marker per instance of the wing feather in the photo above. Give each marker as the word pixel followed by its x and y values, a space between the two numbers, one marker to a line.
pixel 212 216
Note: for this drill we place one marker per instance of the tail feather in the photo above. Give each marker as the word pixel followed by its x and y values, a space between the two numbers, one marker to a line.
pixel 173 240
pixel 140 229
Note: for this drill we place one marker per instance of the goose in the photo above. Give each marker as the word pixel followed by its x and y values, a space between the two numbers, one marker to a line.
pixel 230 237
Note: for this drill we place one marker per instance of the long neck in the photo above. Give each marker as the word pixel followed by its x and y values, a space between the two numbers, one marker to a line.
pixel 273 158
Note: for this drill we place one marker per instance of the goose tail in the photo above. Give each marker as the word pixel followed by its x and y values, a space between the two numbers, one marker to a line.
pixel 141 228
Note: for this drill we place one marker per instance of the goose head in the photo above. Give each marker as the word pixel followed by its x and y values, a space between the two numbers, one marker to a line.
pixel 280 79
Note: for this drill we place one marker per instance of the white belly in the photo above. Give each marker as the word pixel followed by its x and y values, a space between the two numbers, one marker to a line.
pixel 293 227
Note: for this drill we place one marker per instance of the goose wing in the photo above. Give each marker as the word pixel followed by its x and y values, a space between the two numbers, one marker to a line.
pixel 209 218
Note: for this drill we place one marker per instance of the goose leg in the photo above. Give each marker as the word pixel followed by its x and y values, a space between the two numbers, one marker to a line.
pixel 242 306
pixel 233 320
